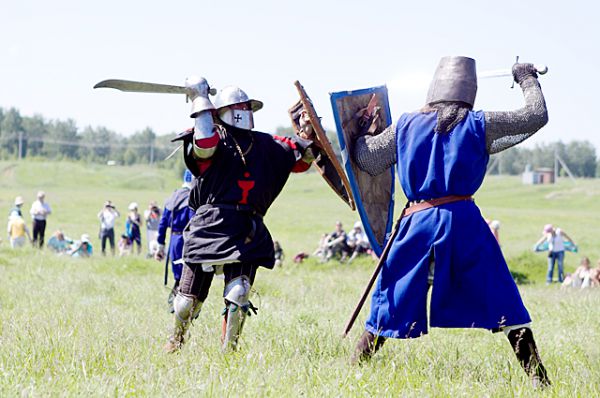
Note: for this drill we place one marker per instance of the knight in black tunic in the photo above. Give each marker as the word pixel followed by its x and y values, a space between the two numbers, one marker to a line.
pixel 238 174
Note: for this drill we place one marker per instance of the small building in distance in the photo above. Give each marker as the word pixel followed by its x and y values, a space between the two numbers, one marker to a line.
pixel 542 175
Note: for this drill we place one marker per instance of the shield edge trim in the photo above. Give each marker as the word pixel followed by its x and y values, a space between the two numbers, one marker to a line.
pixel 346 160
pixel 326 145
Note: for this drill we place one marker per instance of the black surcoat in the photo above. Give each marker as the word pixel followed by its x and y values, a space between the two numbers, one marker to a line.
pixel 231 197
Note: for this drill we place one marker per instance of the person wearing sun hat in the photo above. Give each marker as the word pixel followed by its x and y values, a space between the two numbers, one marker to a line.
pixel 17 208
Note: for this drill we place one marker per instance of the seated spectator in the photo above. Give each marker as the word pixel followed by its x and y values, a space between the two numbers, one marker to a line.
pixel 336 244
pixel 125 245
pixel 495 228
pixel 357 241
pixel 278 254
pixel 17 229
pixel 58 243
pixel 595 275
pixel 83 247
pixel 582 277
pixel 321 250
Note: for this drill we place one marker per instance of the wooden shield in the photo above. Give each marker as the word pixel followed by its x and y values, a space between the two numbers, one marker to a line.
pixel 374 196
pixel 326 161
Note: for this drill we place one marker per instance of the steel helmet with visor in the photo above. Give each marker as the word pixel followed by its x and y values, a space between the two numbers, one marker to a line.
pixel 235 108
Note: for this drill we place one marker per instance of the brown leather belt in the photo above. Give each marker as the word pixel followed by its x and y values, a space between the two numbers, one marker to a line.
pixel 414 207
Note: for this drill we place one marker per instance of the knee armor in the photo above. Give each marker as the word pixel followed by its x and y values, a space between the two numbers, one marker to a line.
pixel 186 309
pixel 237 304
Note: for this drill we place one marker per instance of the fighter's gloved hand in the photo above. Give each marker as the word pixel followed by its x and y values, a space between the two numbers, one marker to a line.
pixel 160 253
pixel 522 71
pixel 306 129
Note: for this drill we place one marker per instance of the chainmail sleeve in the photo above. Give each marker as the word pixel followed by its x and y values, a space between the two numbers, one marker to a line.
pixel 375 154
pixel 506 129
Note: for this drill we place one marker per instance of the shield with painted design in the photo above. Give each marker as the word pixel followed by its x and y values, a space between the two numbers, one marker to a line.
pixel 357 113
pixel 305 122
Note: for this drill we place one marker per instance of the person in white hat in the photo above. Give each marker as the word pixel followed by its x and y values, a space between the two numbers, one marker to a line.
pixel 17 209
pixel 83 248
pixel 107 216
pixel 40 210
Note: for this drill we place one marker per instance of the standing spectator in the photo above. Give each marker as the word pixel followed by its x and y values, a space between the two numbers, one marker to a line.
pixel 39 212
pixel 152 218
pixel 279 256
pixel 132 226
pixel 17 209
pixel 108 215
pixel 556 250
pixel 17 229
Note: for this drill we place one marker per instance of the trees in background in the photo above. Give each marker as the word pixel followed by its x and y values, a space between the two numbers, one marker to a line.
pixel 580 157
pixel 61 139
pixel 23 136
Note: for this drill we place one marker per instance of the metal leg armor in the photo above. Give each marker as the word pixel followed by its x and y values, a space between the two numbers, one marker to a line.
pixel 186 309
pixel 366 347
pixel 527 353
pixel 237 305
pixel 171 297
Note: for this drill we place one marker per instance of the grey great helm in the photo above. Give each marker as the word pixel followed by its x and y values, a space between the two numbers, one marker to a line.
pixel 235 108
pixel 455 79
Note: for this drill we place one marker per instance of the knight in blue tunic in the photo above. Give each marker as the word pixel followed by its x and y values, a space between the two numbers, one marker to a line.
pixel 441 153
pixel 176 215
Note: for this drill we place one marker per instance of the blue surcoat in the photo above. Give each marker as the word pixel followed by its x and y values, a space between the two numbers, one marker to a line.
pixel 176 216
pixel 473 287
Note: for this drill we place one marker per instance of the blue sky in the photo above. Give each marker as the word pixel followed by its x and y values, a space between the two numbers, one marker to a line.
pixel 54 52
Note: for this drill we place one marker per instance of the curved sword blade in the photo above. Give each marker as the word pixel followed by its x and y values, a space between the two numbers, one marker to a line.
pixel 141 87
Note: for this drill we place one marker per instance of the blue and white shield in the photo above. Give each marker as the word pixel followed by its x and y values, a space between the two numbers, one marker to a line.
pixel 373 196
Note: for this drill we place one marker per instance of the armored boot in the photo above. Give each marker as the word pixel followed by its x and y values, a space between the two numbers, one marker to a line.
pixel 366 347
pixel 237 307
pixel 171 297
pixel 524 346
pixel 186 310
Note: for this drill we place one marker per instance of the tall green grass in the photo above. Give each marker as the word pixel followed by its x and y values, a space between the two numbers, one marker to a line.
pixel 95 327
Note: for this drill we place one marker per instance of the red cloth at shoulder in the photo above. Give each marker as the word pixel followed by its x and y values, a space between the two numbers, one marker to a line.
pixel 301 166
pixel 209 142
pixel 286 140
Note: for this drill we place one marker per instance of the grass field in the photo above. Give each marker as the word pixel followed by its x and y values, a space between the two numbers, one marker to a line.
pixel 95 327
